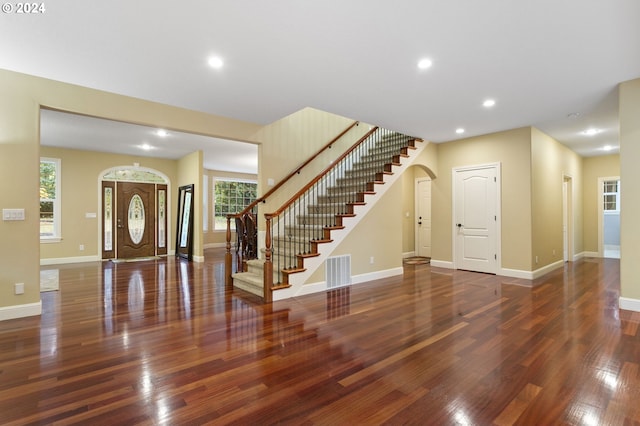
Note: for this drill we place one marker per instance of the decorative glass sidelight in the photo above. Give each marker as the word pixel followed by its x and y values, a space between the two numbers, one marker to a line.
pixel 108 219
pixel 162 207
pixel 136 219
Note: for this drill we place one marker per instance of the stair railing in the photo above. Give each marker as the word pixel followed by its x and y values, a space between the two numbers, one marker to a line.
pixel 246 247
pixel 308 217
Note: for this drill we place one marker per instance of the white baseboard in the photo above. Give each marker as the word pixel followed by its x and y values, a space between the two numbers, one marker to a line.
pixel 506 272
pixel 442 264
pixel 20 311
pixel 356 279
pixel 408 254
pixel 198 259
pixel 548 268
pixel 515 273
pixel 586 254
pixel 629 304
pixel 61 260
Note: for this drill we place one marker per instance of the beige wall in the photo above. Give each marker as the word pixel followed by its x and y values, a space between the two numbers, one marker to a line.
pixel 512 150
pixel 288 142
pixel 20 99
pixel 190 171
pixel 595 168
pixel 630 190
pixel 377 235
pixel 80 180
pixel 551 163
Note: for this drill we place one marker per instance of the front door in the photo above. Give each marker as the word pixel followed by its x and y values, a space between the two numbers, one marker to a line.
pixel 475 216
pixel 135 219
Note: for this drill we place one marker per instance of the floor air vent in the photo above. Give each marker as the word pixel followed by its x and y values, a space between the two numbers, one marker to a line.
pixel 338 271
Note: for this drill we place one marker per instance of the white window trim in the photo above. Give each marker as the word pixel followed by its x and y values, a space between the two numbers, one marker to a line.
pixel 213 196
pixel 617 195
pixel 57 203
pixel 205 203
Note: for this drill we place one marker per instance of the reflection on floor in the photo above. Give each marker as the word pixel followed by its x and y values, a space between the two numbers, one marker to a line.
pixel 49 279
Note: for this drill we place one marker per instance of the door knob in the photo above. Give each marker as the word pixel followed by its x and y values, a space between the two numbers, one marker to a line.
pixel 459 225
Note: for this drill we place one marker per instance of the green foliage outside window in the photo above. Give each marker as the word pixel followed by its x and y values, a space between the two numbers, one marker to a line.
pixel 232 197
pixel 48 178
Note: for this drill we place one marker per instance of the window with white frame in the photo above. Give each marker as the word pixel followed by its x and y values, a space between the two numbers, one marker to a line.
pixel 611 192
pixel 205 203
pixel 50 199
pixel 230 197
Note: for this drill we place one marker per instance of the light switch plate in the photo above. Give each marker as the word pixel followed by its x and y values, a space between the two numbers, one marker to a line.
pixel 12 214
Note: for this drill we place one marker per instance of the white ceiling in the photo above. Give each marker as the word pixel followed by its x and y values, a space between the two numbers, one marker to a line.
pixel 60 129
pixel 540 60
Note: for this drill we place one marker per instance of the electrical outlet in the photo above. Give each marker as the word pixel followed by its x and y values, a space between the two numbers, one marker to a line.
pixel 81 247
pixel 19 288
pixel 371 260
pixel 536 260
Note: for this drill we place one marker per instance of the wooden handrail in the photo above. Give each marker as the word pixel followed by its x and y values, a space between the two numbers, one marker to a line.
pixel 249 208
pixel 327 169
pixel 295 171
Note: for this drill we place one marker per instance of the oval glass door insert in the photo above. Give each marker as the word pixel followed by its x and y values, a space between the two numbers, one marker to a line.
pixel 136 219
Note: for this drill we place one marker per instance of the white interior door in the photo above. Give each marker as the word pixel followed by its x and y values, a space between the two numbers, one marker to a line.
pixel 423 216
pixel 475 218
pixel 565 221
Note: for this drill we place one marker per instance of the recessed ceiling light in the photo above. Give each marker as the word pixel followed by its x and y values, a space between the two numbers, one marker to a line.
pixel 591 132
pixel 425 63
pixel 573 115
pixel 488 103
pixel 162 133
pixel 607 148
pixel 146 147
pixel 459 130
pixel 216 62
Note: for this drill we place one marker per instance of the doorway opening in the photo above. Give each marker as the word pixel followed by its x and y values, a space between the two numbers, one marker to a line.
pixel 609 217
pixel 567 218
pixel 423 215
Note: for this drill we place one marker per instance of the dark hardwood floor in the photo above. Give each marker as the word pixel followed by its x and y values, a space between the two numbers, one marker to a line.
pixel 162 342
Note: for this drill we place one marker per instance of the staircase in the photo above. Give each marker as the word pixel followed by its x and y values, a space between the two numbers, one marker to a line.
pixel 298 230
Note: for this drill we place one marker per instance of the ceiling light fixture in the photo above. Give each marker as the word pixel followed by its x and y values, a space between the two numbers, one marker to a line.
pixel 488 103
pixel 459 130
pixel 162 133
pixel 607 148
pixel 591 132
pixel 425 63
pixel 216 62
pixel 146 146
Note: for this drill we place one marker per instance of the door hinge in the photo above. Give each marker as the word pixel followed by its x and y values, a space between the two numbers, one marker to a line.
pixel 495 256
pixel 495 218
pixel 495 179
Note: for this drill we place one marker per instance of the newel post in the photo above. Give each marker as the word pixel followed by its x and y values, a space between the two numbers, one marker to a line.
pixel 228 268
pixel 268 264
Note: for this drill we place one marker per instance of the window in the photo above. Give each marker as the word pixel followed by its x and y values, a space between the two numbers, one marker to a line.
pixel 205 203
pixel 230 197
pixel 49 199
pixel 611 192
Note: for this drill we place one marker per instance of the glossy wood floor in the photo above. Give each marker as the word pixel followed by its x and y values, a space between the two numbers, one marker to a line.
pixel 162 342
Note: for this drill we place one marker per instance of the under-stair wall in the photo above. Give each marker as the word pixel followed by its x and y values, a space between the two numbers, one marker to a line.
pixel 359 233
